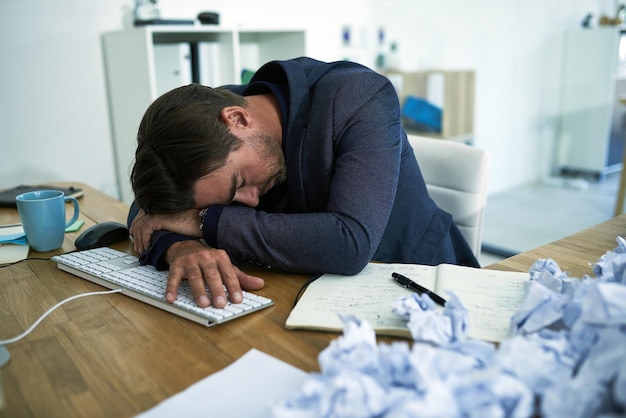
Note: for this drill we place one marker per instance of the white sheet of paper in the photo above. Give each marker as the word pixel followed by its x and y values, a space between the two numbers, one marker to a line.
pixel 13 244
pixel 246 388
pixel 11 232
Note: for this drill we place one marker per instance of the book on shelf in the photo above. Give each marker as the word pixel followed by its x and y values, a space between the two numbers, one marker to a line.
pixel 491 297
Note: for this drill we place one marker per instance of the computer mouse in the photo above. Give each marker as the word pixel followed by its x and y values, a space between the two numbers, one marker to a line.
pixel 102 235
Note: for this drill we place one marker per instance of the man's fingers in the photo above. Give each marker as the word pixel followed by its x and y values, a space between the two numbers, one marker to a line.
pixel 231 282
pixel 196 283
pixel 138 242
pixel 248 282
pixel 173 281
pixel 145 232
pixel 134 232
pixel 182 269
pixel 219 273
pixel 141 232
pixel 206 268
pixel 145 241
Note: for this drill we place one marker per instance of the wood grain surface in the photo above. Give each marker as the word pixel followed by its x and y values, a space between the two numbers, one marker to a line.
pixel 113 356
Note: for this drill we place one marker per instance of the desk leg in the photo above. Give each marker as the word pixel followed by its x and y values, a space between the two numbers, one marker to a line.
pixel 2 401
pixel 621 191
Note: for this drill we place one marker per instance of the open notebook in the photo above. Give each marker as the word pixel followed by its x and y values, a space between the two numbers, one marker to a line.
pixel 490 296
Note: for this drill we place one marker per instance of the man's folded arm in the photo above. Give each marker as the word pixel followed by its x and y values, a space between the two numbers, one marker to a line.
pixel 159 243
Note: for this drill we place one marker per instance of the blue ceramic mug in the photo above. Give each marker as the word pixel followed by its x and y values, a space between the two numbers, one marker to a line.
pixel 42 214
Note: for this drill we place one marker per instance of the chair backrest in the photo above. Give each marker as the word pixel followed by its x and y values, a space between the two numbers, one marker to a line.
pixel 456 177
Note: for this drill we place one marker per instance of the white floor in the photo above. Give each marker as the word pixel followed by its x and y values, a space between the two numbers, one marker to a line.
pixel 531 216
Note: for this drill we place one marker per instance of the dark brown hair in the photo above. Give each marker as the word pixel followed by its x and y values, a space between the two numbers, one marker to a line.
pixel 181 138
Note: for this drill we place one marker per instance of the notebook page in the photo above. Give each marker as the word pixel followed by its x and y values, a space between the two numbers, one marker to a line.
pixel 490 296
pixel 368 295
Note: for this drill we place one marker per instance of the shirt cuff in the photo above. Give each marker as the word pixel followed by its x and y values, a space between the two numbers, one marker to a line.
pixel 161 241
pixel 209 224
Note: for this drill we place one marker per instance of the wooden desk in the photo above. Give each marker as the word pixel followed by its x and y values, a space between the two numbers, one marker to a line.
pixel 111 355
pixel 573 253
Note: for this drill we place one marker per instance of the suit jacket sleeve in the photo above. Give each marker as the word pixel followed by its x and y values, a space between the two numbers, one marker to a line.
pixel 342 175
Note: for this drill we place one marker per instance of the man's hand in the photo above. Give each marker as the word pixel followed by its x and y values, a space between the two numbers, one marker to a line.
pixel 186 222
pixel 202 265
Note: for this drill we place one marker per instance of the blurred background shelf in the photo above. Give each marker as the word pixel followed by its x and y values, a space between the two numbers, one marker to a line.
pixel 143 63
pixel 450 90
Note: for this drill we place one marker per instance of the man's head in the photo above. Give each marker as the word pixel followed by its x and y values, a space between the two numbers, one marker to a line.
pixel 199 146
pixel 181 139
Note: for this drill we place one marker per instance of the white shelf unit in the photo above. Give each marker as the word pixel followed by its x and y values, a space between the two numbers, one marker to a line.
pixel 143 63
pixel 591 135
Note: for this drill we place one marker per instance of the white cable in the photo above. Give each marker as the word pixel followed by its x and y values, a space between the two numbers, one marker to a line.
pixel 49 311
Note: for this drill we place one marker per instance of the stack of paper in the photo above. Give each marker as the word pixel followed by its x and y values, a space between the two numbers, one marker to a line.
pixel 13 244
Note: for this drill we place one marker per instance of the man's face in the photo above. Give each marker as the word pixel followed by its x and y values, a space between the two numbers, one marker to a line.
pixel 249 173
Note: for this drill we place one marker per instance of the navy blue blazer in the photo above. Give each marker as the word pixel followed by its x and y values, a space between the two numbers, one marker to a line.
pixel 354 192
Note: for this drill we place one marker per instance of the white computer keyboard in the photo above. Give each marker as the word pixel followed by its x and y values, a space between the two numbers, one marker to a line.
pixel 117 270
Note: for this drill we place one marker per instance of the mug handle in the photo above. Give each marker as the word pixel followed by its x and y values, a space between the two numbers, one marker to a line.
pixel 76 210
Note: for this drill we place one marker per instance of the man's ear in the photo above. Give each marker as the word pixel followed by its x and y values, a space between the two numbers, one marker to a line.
pixel 235 117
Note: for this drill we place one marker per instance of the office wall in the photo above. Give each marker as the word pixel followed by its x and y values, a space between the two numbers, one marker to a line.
pixel 53 110
pixel 516 49
pixel 54 113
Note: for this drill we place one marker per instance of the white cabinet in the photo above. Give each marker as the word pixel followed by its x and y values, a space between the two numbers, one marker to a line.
pixel 591 135
pixel 143 63
pixel 172 65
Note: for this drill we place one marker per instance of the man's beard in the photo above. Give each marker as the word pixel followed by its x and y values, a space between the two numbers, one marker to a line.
pixel 270 150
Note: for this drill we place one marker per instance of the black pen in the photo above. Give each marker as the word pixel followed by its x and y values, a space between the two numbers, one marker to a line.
pixel 410 284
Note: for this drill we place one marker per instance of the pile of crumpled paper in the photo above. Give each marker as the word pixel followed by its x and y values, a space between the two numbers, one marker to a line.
pixel 565 357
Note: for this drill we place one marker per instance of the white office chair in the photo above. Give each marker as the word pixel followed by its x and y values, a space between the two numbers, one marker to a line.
pixel 456 177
